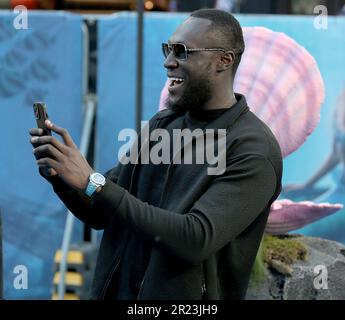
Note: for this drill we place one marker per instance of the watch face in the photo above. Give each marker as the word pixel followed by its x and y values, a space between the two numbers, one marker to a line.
pixel 97 178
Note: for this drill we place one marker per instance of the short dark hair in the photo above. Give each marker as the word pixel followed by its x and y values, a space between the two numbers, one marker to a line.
pixel 227 29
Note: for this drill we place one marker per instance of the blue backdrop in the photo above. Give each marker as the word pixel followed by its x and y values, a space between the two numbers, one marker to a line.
pixel 42 63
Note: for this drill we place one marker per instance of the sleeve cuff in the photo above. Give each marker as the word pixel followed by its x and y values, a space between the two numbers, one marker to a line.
pixel 109 198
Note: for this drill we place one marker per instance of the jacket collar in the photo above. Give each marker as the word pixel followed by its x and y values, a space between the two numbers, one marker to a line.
pixel 225 121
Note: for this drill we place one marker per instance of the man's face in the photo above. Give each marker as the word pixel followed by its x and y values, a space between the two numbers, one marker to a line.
pixel 197 71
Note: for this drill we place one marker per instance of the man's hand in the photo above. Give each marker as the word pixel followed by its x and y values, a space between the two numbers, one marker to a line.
pixel 63 159
pixel 36 132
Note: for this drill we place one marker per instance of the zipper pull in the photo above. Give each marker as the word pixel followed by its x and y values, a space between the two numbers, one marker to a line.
pixel 141 287
pixel 203 288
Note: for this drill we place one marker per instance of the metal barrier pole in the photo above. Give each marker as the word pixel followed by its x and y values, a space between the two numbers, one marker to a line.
pixel 87 129
pixel 139 88
pixel 89 113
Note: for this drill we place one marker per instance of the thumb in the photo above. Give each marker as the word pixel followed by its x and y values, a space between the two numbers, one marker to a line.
pixel 61 132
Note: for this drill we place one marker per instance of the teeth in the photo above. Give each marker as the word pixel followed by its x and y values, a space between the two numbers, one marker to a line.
pixel 176 79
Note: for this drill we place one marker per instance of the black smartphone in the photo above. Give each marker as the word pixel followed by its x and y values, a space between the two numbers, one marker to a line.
pixel 41 115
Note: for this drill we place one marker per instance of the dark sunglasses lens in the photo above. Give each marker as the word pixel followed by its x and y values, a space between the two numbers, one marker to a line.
pixel 179 51
pixel 165 49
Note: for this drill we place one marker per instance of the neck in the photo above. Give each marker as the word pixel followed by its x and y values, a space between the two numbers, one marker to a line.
pixel 220 101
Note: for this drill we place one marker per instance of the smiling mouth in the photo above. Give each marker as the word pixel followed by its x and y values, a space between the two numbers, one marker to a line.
pixel 174 82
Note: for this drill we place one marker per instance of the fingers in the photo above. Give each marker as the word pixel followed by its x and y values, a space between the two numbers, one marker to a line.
pixel 36 132
pixel 62 132
pixel 49 165
pixel 38 141
pixel 47 150
pixel 47 171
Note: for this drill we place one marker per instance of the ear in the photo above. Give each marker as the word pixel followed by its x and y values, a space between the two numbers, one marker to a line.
pixel 226 61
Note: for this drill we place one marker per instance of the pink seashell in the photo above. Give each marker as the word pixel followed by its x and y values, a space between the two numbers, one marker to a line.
pixel 282 84
pixel 287 215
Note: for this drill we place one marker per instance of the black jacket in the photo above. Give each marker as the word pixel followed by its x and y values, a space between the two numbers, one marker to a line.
pixel 206 231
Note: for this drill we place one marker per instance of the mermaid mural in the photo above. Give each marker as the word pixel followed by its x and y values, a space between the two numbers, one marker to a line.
pixel 334 227
pixel 284 88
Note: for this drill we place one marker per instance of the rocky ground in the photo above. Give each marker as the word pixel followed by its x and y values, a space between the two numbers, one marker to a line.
pixel 320 276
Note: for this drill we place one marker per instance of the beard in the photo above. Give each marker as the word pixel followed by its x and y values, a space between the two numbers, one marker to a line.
pixel 193 97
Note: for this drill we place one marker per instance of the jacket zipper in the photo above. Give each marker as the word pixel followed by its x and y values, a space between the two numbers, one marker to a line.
pixel 106 285
pixel 203 283
pixel 117 264
pixel 141 286
pixel 160 203
pixel 167 177
pixel 203 289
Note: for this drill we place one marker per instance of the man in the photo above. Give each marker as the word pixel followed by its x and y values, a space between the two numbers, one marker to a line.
pixel 173 231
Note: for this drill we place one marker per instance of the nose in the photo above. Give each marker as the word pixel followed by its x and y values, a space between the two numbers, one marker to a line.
pixel 170 61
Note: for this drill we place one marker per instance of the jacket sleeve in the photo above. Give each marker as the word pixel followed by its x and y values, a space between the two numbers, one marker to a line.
pixel 232 202
pixel 78 203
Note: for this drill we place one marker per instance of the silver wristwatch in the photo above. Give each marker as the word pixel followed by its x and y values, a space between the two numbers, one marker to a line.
pixel 95 180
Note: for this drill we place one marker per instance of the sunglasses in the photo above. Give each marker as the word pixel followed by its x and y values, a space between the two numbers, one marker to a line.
pixel 180 51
